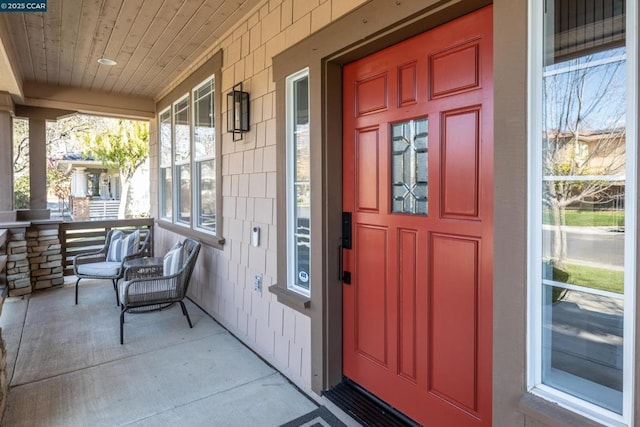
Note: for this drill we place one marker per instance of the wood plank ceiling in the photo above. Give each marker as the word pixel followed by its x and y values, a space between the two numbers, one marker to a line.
pixel 152 41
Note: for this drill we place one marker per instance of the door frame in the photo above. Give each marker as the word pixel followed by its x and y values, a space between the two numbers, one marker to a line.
pixel 367 29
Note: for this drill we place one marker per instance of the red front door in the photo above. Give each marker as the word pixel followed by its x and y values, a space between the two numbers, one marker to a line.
pixel 418 179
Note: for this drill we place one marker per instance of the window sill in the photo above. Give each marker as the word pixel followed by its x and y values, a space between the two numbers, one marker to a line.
pixel 291 299
pixel 552 414
pixel 207 239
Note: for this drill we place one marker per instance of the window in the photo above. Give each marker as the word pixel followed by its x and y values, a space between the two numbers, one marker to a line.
pixel 181 160
pixel 166 183
pixel 409 166
pixel 581 192
pixel 298 184
pixel 188 163
pixel 204 152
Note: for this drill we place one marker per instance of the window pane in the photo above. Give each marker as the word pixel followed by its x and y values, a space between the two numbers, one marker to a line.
pixel 299 179
pixel 583 197
pixel 582 339
pixel 165 138
pixel 409 166
pixel 182 131
pixel 184 195
pixel 207 194
pixel 166 209
pixel 203 127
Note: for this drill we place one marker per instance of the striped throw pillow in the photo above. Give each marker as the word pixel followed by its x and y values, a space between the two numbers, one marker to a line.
pixel 123 246
pixel 114 246
pixel 173 260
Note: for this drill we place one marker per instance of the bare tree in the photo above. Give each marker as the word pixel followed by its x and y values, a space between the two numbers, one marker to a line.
pixel 584 142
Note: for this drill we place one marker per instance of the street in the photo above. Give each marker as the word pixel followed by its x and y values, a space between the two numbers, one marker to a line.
pixel 597 245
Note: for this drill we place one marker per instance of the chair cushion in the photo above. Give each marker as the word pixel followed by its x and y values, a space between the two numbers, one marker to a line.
pixel 122 245
pixel 100 269
pixel 173 260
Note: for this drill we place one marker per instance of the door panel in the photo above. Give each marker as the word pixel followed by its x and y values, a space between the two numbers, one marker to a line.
pixel 452 338
pixel 460 152
pixel 407 275
pixel 371 301
pixel 417 174
pixel 367 151
pixel 454 70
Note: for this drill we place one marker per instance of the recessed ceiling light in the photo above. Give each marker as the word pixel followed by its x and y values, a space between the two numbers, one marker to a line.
pixel 106 61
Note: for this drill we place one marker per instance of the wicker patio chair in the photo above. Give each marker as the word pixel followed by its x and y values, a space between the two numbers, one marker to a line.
pixel 148 287
pixel 105 264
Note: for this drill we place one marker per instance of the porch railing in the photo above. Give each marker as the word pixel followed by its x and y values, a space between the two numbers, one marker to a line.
pixel 86 236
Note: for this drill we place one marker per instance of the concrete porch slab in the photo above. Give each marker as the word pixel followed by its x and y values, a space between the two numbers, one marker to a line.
pixel 71 370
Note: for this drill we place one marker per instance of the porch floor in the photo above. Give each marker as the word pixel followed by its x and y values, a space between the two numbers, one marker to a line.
pixel 66 367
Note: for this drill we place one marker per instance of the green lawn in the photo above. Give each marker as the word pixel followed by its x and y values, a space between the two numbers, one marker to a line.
pixel 588 218
pixel 591 277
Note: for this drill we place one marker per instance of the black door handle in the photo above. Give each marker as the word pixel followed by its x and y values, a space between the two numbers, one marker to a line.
pixel 343 276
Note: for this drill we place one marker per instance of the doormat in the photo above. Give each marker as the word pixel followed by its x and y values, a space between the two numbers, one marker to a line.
pixel 365 408
pixel 320 417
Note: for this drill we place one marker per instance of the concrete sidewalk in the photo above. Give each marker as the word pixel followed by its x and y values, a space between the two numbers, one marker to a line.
pixel 67 368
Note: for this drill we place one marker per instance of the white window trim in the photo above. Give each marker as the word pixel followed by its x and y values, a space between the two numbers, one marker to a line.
pixel 534 270
pixel 290 194
pixel 195 172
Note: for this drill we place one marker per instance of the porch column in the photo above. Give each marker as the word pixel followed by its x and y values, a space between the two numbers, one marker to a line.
pixel 38 163
pixel 38 155
pixel 79 182
pixel 6 147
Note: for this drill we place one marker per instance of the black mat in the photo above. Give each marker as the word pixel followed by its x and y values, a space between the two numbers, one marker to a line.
pixel 320 417
pixel 365 408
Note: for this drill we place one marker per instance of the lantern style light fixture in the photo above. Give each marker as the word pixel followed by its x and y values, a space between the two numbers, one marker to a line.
pixel 237 112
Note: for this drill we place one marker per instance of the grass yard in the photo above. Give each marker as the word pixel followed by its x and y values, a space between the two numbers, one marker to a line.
pixel 588 218
pixel 591 277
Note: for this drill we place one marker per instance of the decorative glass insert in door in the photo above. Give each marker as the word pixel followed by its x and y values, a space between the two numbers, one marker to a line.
pixel 409 166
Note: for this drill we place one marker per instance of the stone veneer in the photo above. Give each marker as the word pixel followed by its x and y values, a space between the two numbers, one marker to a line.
pixel 45 257
pixel 34 259
pixel 18 274
pixel 4 384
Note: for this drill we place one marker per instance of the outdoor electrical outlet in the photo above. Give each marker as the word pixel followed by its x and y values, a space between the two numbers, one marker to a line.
pixel 257 284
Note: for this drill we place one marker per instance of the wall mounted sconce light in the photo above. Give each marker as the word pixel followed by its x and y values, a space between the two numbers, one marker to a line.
pixel 237 112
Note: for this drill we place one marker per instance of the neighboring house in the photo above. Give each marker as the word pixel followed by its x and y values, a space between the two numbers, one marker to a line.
pixel 96 189
pixel 379 215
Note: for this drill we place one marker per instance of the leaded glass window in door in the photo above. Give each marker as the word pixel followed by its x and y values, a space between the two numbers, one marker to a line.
pixel 409 166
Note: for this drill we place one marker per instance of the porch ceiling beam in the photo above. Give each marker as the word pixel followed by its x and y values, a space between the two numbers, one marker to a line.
pixel 41 113
pixel 10 75
pixel 89 102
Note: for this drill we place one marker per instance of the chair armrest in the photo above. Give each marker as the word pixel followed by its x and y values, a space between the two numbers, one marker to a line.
pixel 89 257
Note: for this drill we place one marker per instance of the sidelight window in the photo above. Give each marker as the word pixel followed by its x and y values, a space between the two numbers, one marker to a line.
pixel 298 184
pixel 582 206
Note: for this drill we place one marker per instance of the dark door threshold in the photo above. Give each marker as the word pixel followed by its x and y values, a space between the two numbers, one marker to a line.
pixel 366 408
